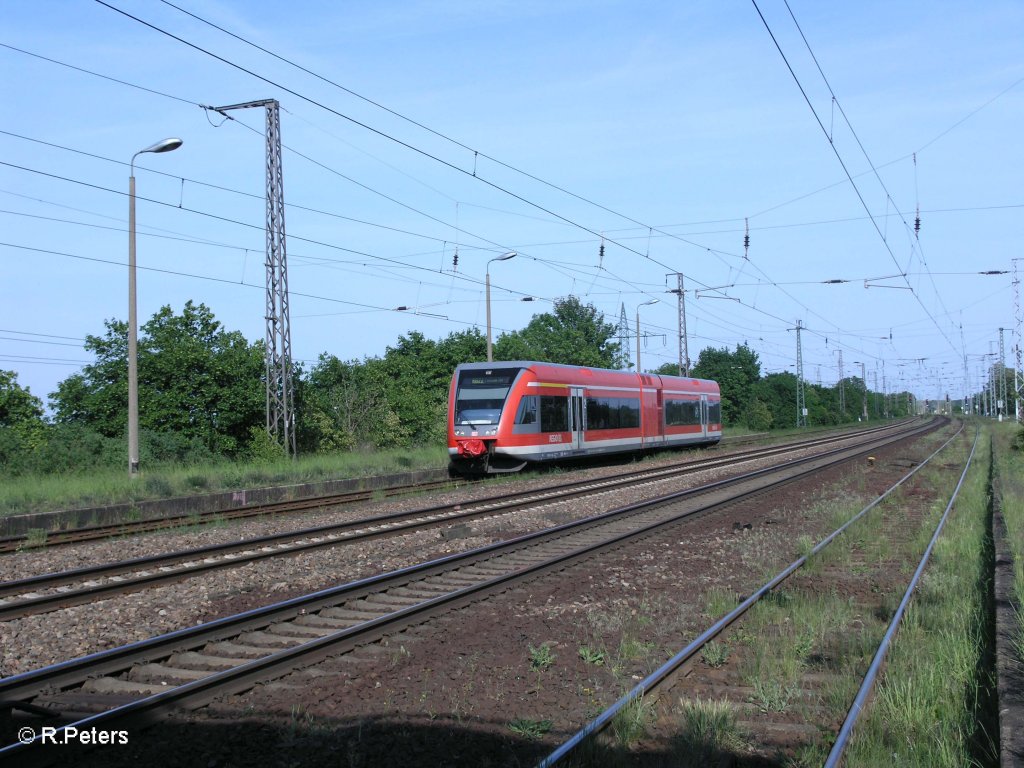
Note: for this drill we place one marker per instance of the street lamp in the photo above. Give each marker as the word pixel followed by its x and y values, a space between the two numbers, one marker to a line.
pixel 487 282
pixel 646 303
pixel 166 145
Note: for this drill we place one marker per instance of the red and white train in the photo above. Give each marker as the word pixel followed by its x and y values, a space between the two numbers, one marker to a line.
pixel 502 415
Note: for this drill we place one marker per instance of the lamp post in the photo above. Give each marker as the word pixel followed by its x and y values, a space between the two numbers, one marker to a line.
pixel 487 283
pixel 166 145
pixel 646 303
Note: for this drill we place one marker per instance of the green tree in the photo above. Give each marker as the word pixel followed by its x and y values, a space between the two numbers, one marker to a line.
pixel 22 428
pixel 395 400
pixel 18 406
pixel 778 392
pixel 345 407
pixel 573 334
pixel 737 373
pixel 98 396
pixel 417 372
pixel 197 381
pixel 822 405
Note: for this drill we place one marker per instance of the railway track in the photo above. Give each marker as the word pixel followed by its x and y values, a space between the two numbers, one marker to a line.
pixel 138 682
pixel 667 677
pixel 48 592
pixel 128 528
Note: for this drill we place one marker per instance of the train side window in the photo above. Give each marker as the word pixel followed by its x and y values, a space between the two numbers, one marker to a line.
pixel 527 413
pixel 682 413
pixel 629 412
pixel 554 414
pixel 714 413
pixel 613 413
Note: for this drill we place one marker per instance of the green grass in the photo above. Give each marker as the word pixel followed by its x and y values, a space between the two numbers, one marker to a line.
pixel 708 732
pixel 632 722
pixel 1010 480
pixel 718 602
pixel 932 705
pixel 44 493
pixel 715 654
pixel 792 634
pixel 541 657
pixel 530 729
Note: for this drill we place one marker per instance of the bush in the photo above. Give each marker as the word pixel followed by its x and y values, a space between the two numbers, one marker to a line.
pixel 1018 441
pixel 172 448
pixel 261 447
pixel 77 448
pixel 758 416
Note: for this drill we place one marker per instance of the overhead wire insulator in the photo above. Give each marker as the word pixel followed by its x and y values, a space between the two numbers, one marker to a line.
pixel 917 205
pixel 746 238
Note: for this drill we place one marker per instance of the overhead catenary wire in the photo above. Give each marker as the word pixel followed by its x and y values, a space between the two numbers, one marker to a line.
pixel 568 221
pixel 916 242
pixel 405 144
pixel 846 170
pixel 477 153
pixel 209 278
pixel 648 234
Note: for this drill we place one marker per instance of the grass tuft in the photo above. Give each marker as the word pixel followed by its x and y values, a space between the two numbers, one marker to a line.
pixel 530 729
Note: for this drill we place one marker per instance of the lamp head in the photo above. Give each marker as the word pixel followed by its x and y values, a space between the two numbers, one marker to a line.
pixel 166 145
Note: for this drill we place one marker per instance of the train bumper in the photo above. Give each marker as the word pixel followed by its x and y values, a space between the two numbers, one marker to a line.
pixel 478 457
pixel 471 449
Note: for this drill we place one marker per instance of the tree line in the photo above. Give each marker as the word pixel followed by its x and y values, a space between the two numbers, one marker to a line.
pixel 202 391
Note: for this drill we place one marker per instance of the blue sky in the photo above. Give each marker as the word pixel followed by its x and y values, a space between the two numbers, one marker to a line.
pixel 665 128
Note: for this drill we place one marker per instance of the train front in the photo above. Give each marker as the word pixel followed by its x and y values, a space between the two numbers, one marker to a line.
pixel 478 399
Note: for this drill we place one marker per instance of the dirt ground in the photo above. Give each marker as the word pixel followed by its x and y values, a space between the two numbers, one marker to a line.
pixel 505 680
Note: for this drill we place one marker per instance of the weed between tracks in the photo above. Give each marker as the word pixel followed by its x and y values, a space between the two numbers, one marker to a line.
pixel 1010 477
pixel 932 705
pixel 802 653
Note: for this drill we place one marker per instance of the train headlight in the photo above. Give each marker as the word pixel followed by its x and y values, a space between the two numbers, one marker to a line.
pixel 491 431
pixel 460 432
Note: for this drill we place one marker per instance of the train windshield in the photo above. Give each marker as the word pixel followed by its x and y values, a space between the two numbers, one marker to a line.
pixel 481 394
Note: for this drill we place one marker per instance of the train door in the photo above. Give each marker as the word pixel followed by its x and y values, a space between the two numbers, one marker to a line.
pixel 704 415
pixel 577 413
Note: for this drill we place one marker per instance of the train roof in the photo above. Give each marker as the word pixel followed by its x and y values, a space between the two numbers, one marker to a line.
pixel 556 369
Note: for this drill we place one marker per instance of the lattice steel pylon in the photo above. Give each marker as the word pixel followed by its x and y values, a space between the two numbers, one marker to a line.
pixel 801 407
pixel 278 355
pixel 1001 392
pixel 624 337
pixel 684 345
pixel 1018 375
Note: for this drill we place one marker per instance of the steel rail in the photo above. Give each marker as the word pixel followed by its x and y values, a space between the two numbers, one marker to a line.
pixel 846 731
pixel 158 569
pixel 666 669
pixel 90 533
pixel 67 674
